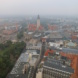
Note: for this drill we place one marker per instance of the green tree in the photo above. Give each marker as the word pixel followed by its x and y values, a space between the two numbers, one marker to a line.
pixel 8 56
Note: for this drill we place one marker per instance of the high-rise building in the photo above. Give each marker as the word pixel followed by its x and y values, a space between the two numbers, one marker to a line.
pixel 38 22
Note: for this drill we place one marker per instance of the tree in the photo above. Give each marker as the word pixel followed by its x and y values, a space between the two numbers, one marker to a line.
pixel 8 56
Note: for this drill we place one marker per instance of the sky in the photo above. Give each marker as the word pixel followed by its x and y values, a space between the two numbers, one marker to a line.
pixel 41 7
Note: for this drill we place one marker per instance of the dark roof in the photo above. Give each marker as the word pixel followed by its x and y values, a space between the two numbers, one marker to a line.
pixel 18 69
pixel 17 72
pixel 68 50
pixel 50 40
pixel 57 65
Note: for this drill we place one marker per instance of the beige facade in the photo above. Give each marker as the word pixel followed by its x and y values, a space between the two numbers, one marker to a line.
pixel 38 22
pixel 51 73
pixel 39 73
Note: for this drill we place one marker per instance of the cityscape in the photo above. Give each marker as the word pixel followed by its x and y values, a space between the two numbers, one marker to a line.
pixel 50 52
pixel 39 46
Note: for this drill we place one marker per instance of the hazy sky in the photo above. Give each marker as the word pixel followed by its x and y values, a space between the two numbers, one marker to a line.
pixel 42 7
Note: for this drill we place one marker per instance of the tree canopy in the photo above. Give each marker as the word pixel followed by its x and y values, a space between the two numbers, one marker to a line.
pixel 9 53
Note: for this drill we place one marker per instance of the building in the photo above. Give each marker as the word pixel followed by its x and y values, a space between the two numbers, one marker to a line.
pixel 39 73
pixel 27 36
pixel 54 69
pixel 53 27
pixel 8 30
pixel 21 68
pixel 36 27
pixel 55 66
pixel 55 36
pixel 56 44
pixel 70 54
pixel 71 44
pixel 38 22
pixel 24 65
pixel 33 42
pixel 74 37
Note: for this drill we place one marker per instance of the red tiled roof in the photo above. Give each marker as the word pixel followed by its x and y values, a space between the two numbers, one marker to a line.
pixel 52 27
pixel 8 32
pixel 33 27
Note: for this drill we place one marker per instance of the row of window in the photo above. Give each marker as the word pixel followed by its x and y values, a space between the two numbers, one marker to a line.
pixel 55 73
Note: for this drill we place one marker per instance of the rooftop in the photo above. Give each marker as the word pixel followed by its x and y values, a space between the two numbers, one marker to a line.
pixel 55 35
pixel 34 52
pixel 57 66
pixel 18 69
pixel 66 50
pixel 71 44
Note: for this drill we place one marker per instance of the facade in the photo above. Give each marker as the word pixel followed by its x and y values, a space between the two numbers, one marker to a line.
pixel 54 69
pixel 70 54
pixel 24 66
pixel 21 68
pixel 36 27
pixel 39 73
pixel 38 22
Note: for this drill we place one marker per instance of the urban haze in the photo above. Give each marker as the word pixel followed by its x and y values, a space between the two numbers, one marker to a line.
pixel 38 38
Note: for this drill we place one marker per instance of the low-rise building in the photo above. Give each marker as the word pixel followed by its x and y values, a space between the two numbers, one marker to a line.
pixel 25 65
pixel 55 36
pixel 71 44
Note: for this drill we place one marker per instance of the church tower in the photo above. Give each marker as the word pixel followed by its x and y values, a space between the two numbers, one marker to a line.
pixel 38 22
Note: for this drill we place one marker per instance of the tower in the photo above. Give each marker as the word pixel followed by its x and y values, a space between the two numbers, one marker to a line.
pixel 16 27
pixel 38 22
